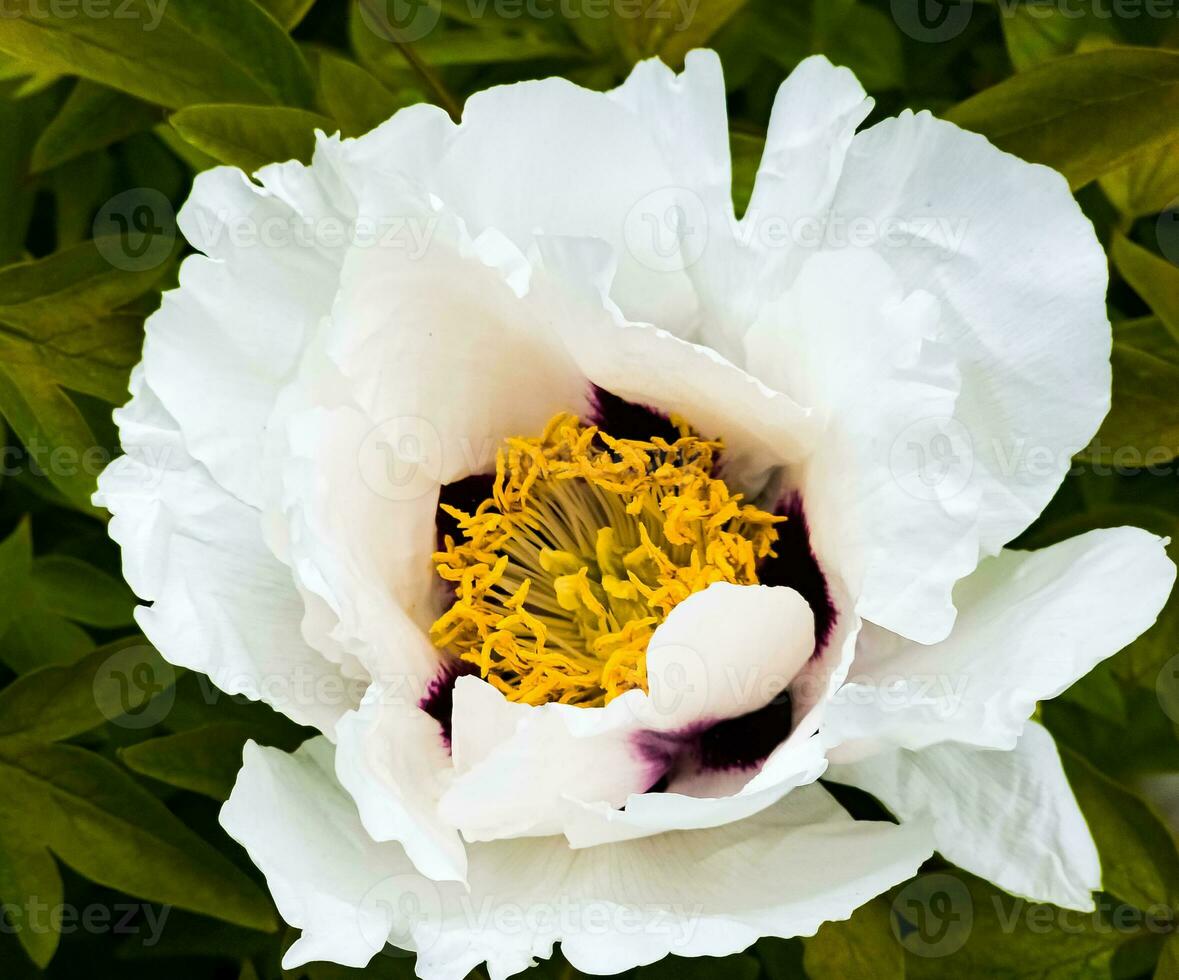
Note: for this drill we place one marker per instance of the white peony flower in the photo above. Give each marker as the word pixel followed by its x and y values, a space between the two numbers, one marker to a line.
pixel 468 445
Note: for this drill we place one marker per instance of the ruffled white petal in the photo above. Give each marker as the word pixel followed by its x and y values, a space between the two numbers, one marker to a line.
pixel 1030 624
pixel 782 873
pixel 220 602
pixel 1008 816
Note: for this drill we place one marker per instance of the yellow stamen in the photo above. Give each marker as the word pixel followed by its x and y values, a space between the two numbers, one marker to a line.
pixel 583 548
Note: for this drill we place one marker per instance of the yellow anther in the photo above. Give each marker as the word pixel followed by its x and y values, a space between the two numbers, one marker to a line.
pixel 585 545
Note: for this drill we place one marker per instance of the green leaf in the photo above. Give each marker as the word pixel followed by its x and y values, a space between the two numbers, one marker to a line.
pixel 1168 965
pixel 16 564
pixel 1039 32
pixel 739 967
pixel 70 588
pixel 1153 278
pixel 1147 184
pixel 30 885
pixel 1100 693
pixel 38 639
pixel 983 932
pixel 203 760
pixel 116 682
pixel 860 947
pixel 746 151
pixel 1142 427
pixel 92 118
pixel 289 13
pixel 21 120
pixel 1084 114
pixel 60 328
pixel 671 32
pixel 250 136
pixel 865 40
pixel 105 826
pixel 353 97
pixel 170 52
pixel 1139 862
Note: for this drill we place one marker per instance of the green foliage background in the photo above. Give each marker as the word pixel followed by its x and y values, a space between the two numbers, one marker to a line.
pixel 113 765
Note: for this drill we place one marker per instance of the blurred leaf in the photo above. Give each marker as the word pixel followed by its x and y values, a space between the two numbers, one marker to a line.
pixel 1084 114
pixel 31 78
pixel 865 40
pixel 1138 859
pixel 37 639
pixel 60 328
pixel 353 97
pixel 742 966
pixel 198 936
pixel 1100 693
pixel 860 947
pixel 1146 185
pixel 781 959
pixel 1143 423
pixel 30 885
pixel 60 702
pixel 203 760
pixel 80 187
pixel 170 52
pixel 1012 938
pixel 1154 279
pixel 289 13
pixel 16 563
pixel 250 136
pixel 670 29
pixel 1036 32
pixel 92 118
pixel 21 120
pixel 746 151
pixel 1168 965
pixel 69 587
pixel 106 827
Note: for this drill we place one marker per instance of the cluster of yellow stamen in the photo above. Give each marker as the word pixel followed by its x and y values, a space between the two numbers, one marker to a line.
pixel 585 545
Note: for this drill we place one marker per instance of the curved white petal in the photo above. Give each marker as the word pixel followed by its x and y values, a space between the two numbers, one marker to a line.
pixel 721 653
pixel 392 759
pixel 702 893
pixel 866 360
pixel 1009 816
pixel 220 602
pixel 724 652
pixel 221 346
pixel 1030 624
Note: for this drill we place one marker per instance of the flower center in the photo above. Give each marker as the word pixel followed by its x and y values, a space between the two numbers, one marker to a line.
pixel 583 548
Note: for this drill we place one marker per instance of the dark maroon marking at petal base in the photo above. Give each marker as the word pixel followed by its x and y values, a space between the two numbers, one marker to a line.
pixel 738 743
pixel 439 700
pixel 625 420
pixel 746 741
pixel 796 566
pixel 465 495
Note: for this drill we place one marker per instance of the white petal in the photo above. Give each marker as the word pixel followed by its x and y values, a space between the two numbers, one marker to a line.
pixel 1030 624
pixel 221 346
pixel 721 653
pixel 1020 279
pixel 724 652
pixel 221 603
pixel 392 759
pixel 1009 816
pixel 782 873
pixel 866 359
